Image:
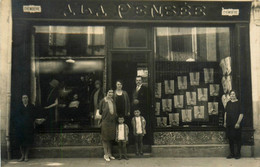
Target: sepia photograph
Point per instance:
(130, 83)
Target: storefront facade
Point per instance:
(189, 53)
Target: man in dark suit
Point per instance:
(140, 96)
(140, 102)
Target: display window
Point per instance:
(198, 61)
(68, 75)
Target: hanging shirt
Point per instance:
(121, 132)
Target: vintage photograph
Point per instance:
(130, 83)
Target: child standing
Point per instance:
(138, 123)
(122, 137)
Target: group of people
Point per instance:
(114, 109)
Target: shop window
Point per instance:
(68, 63)
(126, 37)
(71, 41)
(193, 76)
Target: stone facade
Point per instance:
(255, 73)
(5, 71)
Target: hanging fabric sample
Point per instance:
(226, 83)
(213, 108)
(199, 112)
(225, 98)
(169, 86)
(174, 119)
(178, 101)
(158, 90)
(214, 89)
(202, 94)
(208, 75)
(225, 65)
(167, 105)
(186, 115)
(157, 108)
(194, 78)
(191, 98)
(182, 82)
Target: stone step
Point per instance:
(206, 150)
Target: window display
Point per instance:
(67, 63)
(193, 58)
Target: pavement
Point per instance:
(137, 162)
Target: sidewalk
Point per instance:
(138, 162)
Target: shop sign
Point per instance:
(130, 10)
(230, 12)
(32, 9)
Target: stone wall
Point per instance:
(255, 68)
(5, 70)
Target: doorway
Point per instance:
(125, 67)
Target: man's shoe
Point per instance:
(120, 157)
(230, 156)
(141, 153)
(26, 160)
(238, 156)
(137, 154)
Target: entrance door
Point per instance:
(125, 67)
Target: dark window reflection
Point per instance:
(125, 37)
(63, 76)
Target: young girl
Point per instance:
(138, 123)
(122, 137)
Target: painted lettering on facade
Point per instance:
(84, 9)
(129, 10)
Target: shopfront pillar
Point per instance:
(5, 73)
(255, 68)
